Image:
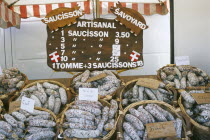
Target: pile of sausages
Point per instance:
(89, 119)
(106, 85)
(46, 95)
(136, 119)
(139, 93)
(21, 124)
(200, 113)
(11, 80)
(184, 76)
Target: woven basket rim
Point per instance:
(1, 103)
(2, 97)
(169, 107)
(151, 102)
(49, 81)
(197, 125)
(101, 97)
(187, 88)
(108, 136)
(168, 88)
(1, 106)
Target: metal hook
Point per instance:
(12, 3)
(161, 2)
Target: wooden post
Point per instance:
(97, 9)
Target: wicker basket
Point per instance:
(69, 99)
(42, 109)
(187, 88)
(107, 97)
(7, 96)
(200, 132)
(131, 84)
(208, 87)
(107, 137)
(163, 104)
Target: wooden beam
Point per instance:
(97, 9)
(172, 30)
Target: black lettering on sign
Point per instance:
(160, 130)
(203, 98)
(131, 18)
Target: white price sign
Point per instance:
(89, 94)
(115, 50)
(182, 60)
(1, 71)
(27, 104)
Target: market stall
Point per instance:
(103, 70)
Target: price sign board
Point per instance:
(89, 94)
(182, 60)
(75, 44)
(149, 83)
(27, 104)
(95, 45)
(161, 130)
(201, 98)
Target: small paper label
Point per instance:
(1, 71)
(14, 105)
(115, 50)
(27, 104)
(161, 130)
(89, 94)
(201, 98)
(182, 60)
(100, 76)
(149, 83)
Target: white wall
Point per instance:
(192, 31)
(29, 50)
(156, 50)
